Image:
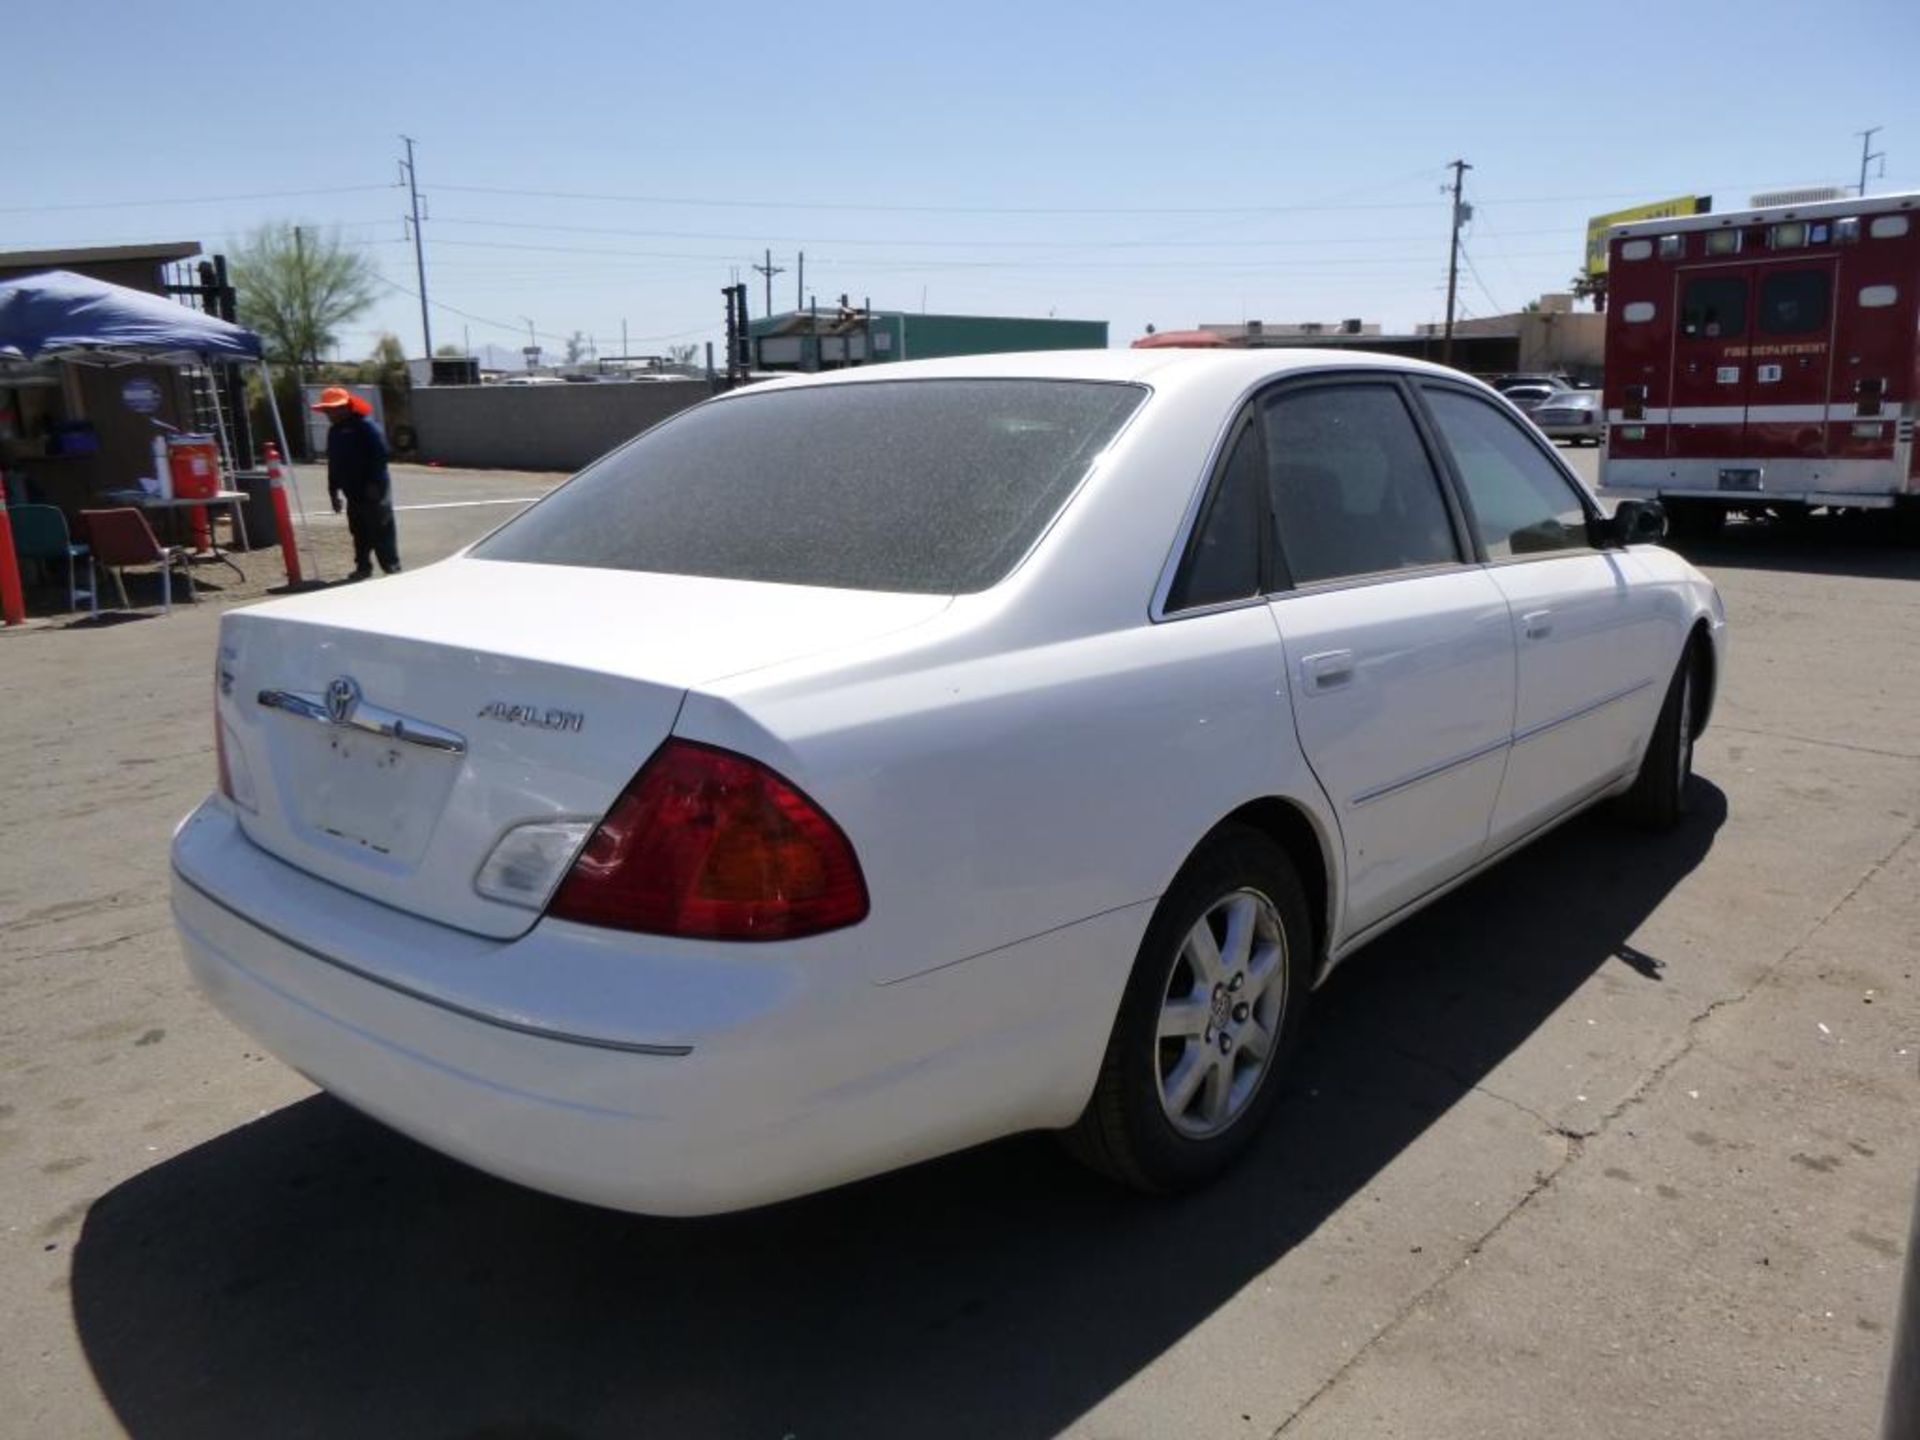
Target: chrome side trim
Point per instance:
(372, 719)
(1533, 731)
(563, 1037)
(1430, 772)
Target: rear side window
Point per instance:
(1795, 302)
(1521, 503)
(1353, 492)
(929, 486)
(1714, 309)
(1224, 561)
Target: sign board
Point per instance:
(1598, 226)
(141, 395)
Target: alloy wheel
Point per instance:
(1221, 1015)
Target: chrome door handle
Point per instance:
(1538, 623)
(1326, 671)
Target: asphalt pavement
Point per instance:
(1617, 1141)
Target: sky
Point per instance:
(589, 166)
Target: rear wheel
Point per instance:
(1211, 1013)
(1694, 519)
(1658, 798)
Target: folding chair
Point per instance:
(121, 538)
(40, 533)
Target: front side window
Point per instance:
(926, 486)
(1795, 302)
(1521, 503)
(1714, 309)
(1353, 491)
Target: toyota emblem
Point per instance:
(343, 697)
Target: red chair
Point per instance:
(122, 537)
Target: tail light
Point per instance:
(712, 845)
(220, 739)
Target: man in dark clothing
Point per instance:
(357, 476)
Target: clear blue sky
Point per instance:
(1168, 163)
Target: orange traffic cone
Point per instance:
(282, 513)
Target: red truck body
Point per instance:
(1765, 361)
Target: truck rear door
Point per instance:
(1711, 371)
(1790, 359)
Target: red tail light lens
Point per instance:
(711, 845)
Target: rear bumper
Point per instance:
(763, 1080)
(1865, 483)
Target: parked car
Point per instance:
(1571, 415)
(855, 769)
(1553, 379)
(1530, 397)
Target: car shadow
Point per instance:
(312, 1273)
(1866, 545)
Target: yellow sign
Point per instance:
(1598, 226)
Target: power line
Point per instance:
(715, 202)
(971, 243)
(188, 200)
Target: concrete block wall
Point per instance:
(541, 427)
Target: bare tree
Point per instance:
(577, 347)
(682, 354)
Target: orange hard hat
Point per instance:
(338, 397)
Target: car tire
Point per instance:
(1192, 1068)
(1658, 799)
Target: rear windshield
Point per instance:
(933, 486)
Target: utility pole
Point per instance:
(800, 285)
(1868, 153)
(1459, 168)
(419, 251)
(770, 270)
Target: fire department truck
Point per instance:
(1765, 362)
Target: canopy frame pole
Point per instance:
(280, 432)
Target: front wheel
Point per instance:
(1658, 798)
(1211, 1013)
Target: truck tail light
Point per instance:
(708, 844)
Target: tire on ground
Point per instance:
(1659, 798)
(1126, 1131)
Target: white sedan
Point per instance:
(853, 769)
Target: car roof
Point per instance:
(1229, 369)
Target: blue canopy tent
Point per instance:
(58, 315)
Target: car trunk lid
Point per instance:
(388, 735)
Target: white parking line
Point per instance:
(463, 504)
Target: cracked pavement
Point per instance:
(1617, 1141)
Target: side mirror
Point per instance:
(1634, 522)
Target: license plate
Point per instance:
(1739, 479)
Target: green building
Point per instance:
(832, 338)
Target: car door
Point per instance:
(1592, 650)
(1400, 653)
